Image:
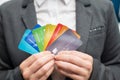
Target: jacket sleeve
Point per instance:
(7, 72)
(109, 66)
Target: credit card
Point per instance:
(49, 29)
(37, 26)
(60, 29)
(31, 41)
(39, 37)
(67, 41)
(30, 38)
(24, 46)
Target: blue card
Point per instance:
(30, 39)
(24, 46)
(37, 26)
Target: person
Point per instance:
(98, 58)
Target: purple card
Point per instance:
(67, 41)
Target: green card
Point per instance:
(39, 37)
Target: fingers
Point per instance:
(71, 75)
(76, 65)
(33, 58)
(44, 70)
(40, 62)
(79, 54)
(74, 58)
(48, 73)
(71, 68)
(36, 66)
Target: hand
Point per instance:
(38, 66)
(74, 64)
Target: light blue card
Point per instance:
(24, 46)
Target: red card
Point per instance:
(60, 29)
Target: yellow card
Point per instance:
(49, 29)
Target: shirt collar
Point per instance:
(66, 2)
(40, 2)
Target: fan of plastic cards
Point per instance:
(50, 37)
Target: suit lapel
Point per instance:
(83, 21)
(29, 16)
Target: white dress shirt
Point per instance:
(56, 11)
(3, 1)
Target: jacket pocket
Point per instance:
(96, 31)
(96, 41)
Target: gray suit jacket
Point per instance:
(95, 21)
